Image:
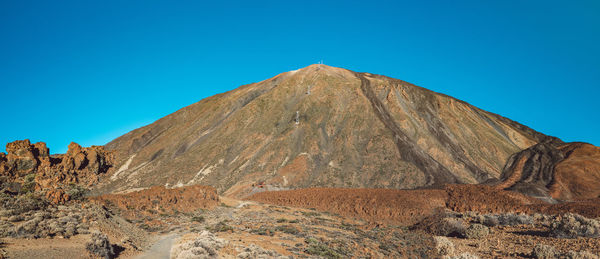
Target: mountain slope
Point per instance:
(320, 126)
(555, 171)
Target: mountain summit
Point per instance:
(320, 126)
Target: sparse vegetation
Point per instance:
(571, 225)
(580, 255)
(543, 252)
(549, 252)
(506, 219)
(28, 185)
(253, 251)
(443, 246)
(220, 227)
(263, 231)
(320, 249)
(476, 231)
(198, 219)
(445, 226)
(464, 256)
(205, 245)
(310, 213)
(100, 246)
(77, 192)
(287, 229)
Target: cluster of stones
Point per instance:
(52, 174)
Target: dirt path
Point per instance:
(161, 249)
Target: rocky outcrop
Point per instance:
(147, 202)
(320, 126)
(555, 170)
(23, 158)
(82, 166)
(31, 164)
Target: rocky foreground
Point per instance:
(194, 222)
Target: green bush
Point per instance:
(287, 229)
(28, 185)
(198, 219)
(310, 214)
(220, 227)
(77, 192)
(320, 249)
(263, 231)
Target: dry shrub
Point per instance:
(100, 246)
(549, 252)
(571, 225)
(580, 255)
(443, 246)
(206, 245)
(507, 219)
(476, 231)
(254, 251)
(464, 256)
(543, 252)
(442, 224)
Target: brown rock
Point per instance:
(79, 161)
(73, 149)
(41, 150)
(57, 196)
(158, 198)
(19, 148)
(21, 158)
(79, 165)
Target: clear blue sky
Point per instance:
(90, 71)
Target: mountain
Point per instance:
(320, 126)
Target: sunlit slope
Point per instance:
(320, 126)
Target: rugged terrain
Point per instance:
(320, 126)
(320, 162)
(27, 167)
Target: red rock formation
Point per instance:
(407, 207)
(81, 166)
(57, 196)
(23, 158)
(379, 205)
(160, 199)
